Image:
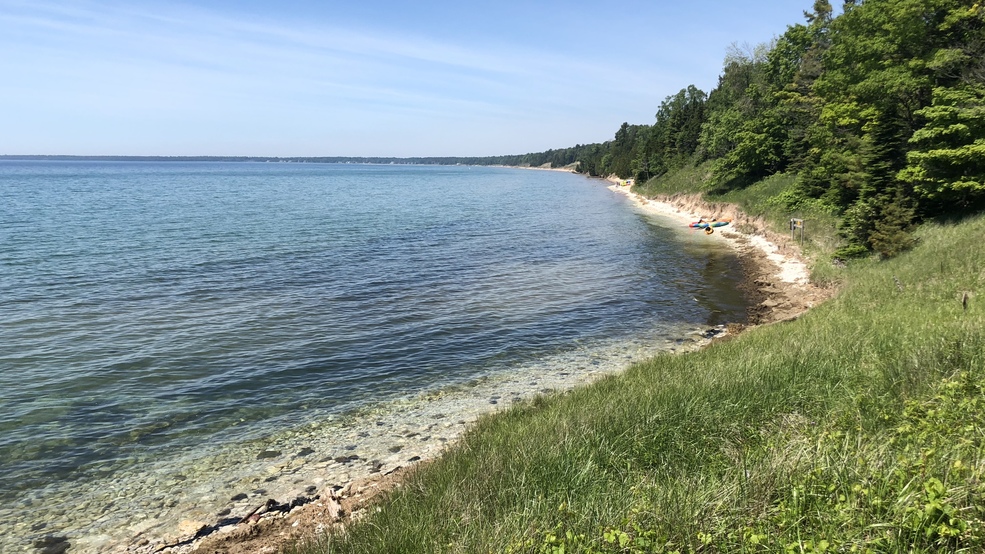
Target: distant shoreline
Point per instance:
(291, 159)
(488, 161)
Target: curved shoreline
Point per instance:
(776, 279)
(777, 276)
(345, 459)
(197, 491)
(370, 457)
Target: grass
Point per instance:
(685, 180)
(858, 427)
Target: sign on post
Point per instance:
(794, 225)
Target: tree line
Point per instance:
(556, 158)
(879, 112)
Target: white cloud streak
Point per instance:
(93, 67)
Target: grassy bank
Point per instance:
(857, 427)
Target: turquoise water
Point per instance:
(148, 309)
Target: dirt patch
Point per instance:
(772, 299)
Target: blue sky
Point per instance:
(355, 78)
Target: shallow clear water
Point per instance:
(151, 311)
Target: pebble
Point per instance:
(189, 527)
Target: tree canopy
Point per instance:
(879, 112)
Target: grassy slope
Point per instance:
(858, 425)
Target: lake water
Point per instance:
(172, 334)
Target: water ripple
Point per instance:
(144, 306)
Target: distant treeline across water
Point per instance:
(557, 158)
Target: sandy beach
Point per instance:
(777, 275)
(304, 495)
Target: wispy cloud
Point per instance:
(94, 67)
(202, 46)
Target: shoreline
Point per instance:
(293, 492)
(777, 277)
(787, 289)
(304, 481)
(776, 281)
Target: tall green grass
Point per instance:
(857, 427)
(688, 180)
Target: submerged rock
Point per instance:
(268, 454)
(52, 544)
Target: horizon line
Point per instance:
(137, 157)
